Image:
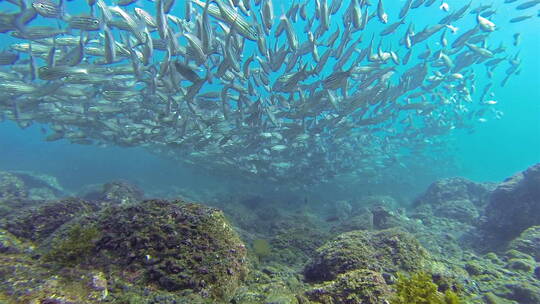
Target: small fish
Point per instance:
(58, 72)
(8, 57)
(383, 16)
(84, 22)
(528, 4)
(186, 72)
(444, 7)
(485, 24)
(517, 39)
(47, 8)
(520, 18)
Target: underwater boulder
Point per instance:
(9, 243)
(462, 211)
(37, 223)
(40, 186)
(385, 251)
(362, 221)
(12, 187)
(514, 206)
(177, 246)
(356, 286)
(116, 192)
(296, 239)
(376, 200)
(528, 242)
(455, 189)
(25, 280)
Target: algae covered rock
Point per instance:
(24, 280)
(12, 187)
(514, 205)
(454, 189)
(175, 245)
(295, 241)
(528, 242)
(116, 192)
(460, 210)
(388, 250)
(9, 243)
(356, 286)
(37, 223)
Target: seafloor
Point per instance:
(459, 242)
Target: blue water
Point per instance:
(497, 149)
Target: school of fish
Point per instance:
(290, 93)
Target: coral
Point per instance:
(420, 289)
(389, 250)
(356, 286)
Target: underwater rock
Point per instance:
(37, 223)
(116, 192)
(523, 293)
(40, 186)
(9, 243)
(12, 187)
(455, 189)
(356, 286)
(384, 251)
(460, 210)
(362, 221)
(513, 206)
(176, 245)
(528, 242)
(24, 280)
(295, 241)
(20, 189)
(376, 200)
(384, 218)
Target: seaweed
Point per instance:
(420, 289)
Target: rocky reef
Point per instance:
(459, 242)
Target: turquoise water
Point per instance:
(496, 149)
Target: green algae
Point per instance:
(420, 289)
(75, 247)
(261, 248)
